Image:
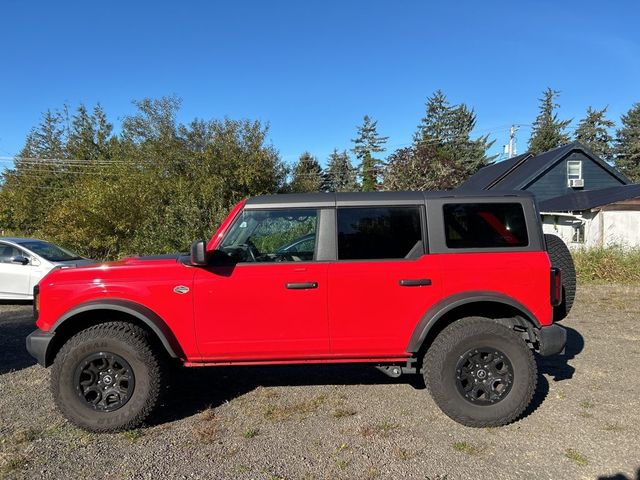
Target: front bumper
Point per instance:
(551, 340)
(38, 345)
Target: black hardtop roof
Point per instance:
(370, 198)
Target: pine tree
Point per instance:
(366, 144)
(449, 128)
(307, 174)
(593, 131)
(340, 176)
(548, 132)
(628, 144)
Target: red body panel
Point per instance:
(370, 314)
(245, 314)
(146, 282)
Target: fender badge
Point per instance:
(181, 289)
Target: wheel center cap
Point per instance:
(482, 374)
(107, 379)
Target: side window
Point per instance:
(485, 225)
(379, 233)
(278, 235)
(7, 253)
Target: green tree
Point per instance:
(151, 188)
(449, 128)
(366, 145)
(340, 176)
(548, 131)
(423, 166)
(307, 174)
(593, 131)
(628, 144)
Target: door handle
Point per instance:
(301, 285)
(419, 282)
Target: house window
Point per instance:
(578, 233)
(574, 170)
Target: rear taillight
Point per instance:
(556, 286)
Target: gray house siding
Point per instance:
(554, 183)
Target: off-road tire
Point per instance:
(560, 257)
(448, 348)
(131, 343)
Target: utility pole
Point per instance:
(511, 149)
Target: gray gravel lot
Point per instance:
(344, 421)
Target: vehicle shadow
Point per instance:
(14, 328)
(192, 390)
(620, 476)
(558, 366)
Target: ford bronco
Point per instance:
(456, 287)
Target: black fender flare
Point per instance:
(444, 306)
(144, 314)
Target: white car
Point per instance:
(24, 261)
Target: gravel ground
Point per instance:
(344, 421)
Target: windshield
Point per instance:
(49, 251)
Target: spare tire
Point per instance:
(560, 257)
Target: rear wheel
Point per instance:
(480, 373)
(108, 377)
(560, 257)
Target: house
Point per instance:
(561, 171)
(595, 218)
(582, 199)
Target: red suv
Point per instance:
(458, 288)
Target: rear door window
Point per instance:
(375, 233)
(485, 225)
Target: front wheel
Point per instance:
(107, 378)
(480, 373)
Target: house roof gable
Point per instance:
(520, 172)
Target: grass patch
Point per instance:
(12, 465)
(465, 447)
(606, 265)
(586, 404)
(250, 433)
(613, 427)
(277, 413)
(27, 435)
(383, 429)
(207, 431)
(576, 457)
(133, 435)
(343, 412)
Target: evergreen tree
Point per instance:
(593, 131)
(366, 145)
(628, 144)
(340, 176)
(307, 174)
(548, 132)
(449, 129)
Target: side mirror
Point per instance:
(22, 260)
(198, 253)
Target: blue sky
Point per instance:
(312, 69)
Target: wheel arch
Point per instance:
(94, 312)
(485, 304)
